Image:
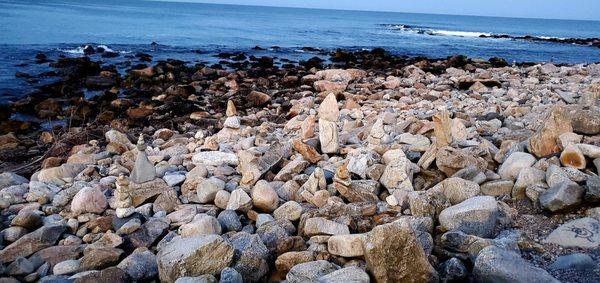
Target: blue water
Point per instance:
(58, 27)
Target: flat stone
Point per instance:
(494, 264)
(580, 233)
(41, 238)
(140, 193)
(501, 187)
(215, 158)
(321, 226)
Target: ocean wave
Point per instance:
(81, 50)
(431, 31)
(595, 42)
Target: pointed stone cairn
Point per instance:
(328, 131)
(232, 121)
(124, 202)
(143, 170)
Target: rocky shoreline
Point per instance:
(360, 166)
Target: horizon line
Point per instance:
(378, 11)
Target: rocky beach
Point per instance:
(350, 166)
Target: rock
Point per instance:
(149, 233)
(286, 261)
(208, 189)
(564, 196)
(580, 233)
(527, 177)
(207, 278)
(450, 160)
(239, 200)
(251, 256)
(67, 267)
(57, 175)
(232, 122)
(180, 257)
(572, 157)
(384, 243)
(290, 210)
(321, 226)
(140, 193)
(215, 158)
(174, 179)
(556, 175)
(348, 274)
(143, 171)
(328, 136)
(494, 264)
(258, 98)
(453, 270)
(398, 174)
(230, 275)
(592, 194)
(21, 266)
(577, 261)
(310, 271)
(27, 219)
(41, 238)
(264, 197)
(229, 220)
(456, 189)
(346, 245)
(89, 200)
(308, 152)
(513, 165)
(543, 143)
(291, 169)
(500, 187)
(478, 216)
(97, 258)
(8, 179)
(111, 274)
(201, 225)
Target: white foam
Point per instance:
(459, 33)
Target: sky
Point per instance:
(548, 9)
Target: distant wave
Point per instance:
(440, 32)
(81, 50)
(431, 31)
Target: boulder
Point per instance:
(544, 141)
(578, 233)
(193, 256)
(563, 196)
(25, 246)
(494, 264)
(478, 216)
(393, 254)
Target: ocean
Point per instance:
(196, 32)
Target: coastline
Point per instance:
(320, 133)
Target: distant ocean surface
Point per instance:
(192, 31)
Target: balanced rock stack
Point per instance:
(425, 173)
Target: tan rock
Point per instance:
(264, 197)
(308, 152)
(258, 98)
(328, 109)
(544, 142)
(346, 245)
(572, 157)
(394, 254)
